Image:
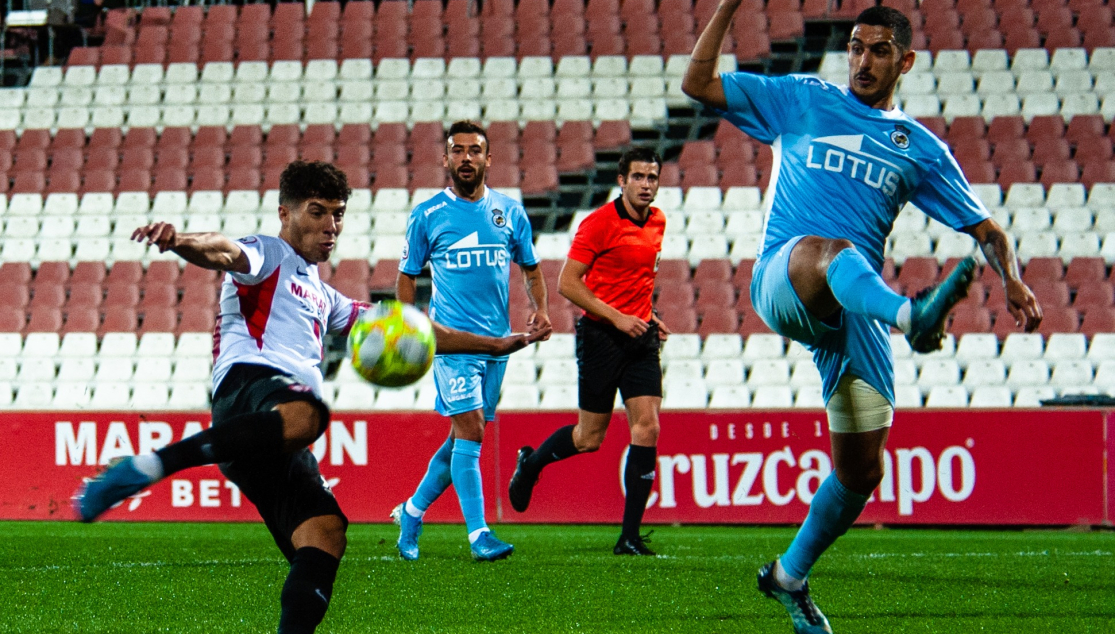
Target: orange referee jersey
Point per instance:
(622, 256)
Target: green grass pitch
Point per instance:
(212, 578)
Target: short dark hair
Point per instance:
(893, 19)
(301, 181)
(466, 127)
(637, 155)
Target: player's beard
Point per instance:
(470, 185)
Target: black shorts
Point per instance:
(608, 359)
(287, 490)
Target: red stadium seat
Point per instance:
(966, 128)
(159, 319)
(970, 319)
(1066, 171)
(84, 273)
(918, 272)
(84, 56)
(12, 318)
(716, 294)
(673, 271)
(29, 183)
(64, 181)
(1048, 151)
(1096, 294)
(713, 271)
(1083, 271)
(48, 296)
(384, 275)
(15, 294)
(1098, 320)
(1043, 271)
(1097, 149)
(677, 294)
(82, 319)
(139, 138)
(44, 320)
(1008, 151)
(161, 272)
(17, 272)
(1102, 172)
(1018, 172)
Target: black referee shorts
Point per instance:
(286, 490)
(608, 359)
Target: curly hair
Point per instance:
(301, 181)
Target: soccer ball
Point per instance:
(392, 344)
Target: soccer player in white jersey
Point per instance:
(469, 234)
(846, 160)
(267, 407)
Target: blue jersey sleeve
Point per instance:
(763, 107)
(522, 239)
(416, 250)
(945, 195)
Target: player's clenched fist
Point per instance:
(160, 234)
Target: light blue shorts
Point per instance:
(466, 383)
(776, 301)
(853, 343)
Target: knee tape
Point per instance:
(856, 407)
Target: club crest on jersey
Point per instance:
(248, 240)
(900, 137)
(497, 218)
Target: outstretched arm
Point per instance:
(451, 341)
(702, 80)
(999, 251)
(207, 250)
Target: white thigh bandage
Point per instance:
(856, 407)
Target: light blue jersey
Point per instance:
(470, 247)
(842, 170)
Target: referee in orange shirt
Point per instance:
(610, 274)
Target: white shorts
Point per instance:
(856, 407)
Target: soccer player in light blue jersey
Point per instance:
(846, 159)
(469, 235)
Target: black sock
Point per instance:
(558, 446)
(307, 590)
(256, 434)
(638, 478)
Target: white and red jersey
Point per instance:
(278, 313)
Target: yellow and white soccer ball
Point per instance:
(392, 344)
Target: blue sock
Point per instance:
(437, 478)
(861, 290)
(466, 479)
(834, 509)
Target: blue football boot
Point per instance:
(929, 310)
(410, 528)
(112, 485)
(489, 548)
(807, 618)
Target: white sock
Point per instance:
(149, 465)
(413, 510)
(783, 578)
(902, 320)
(475, 535)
